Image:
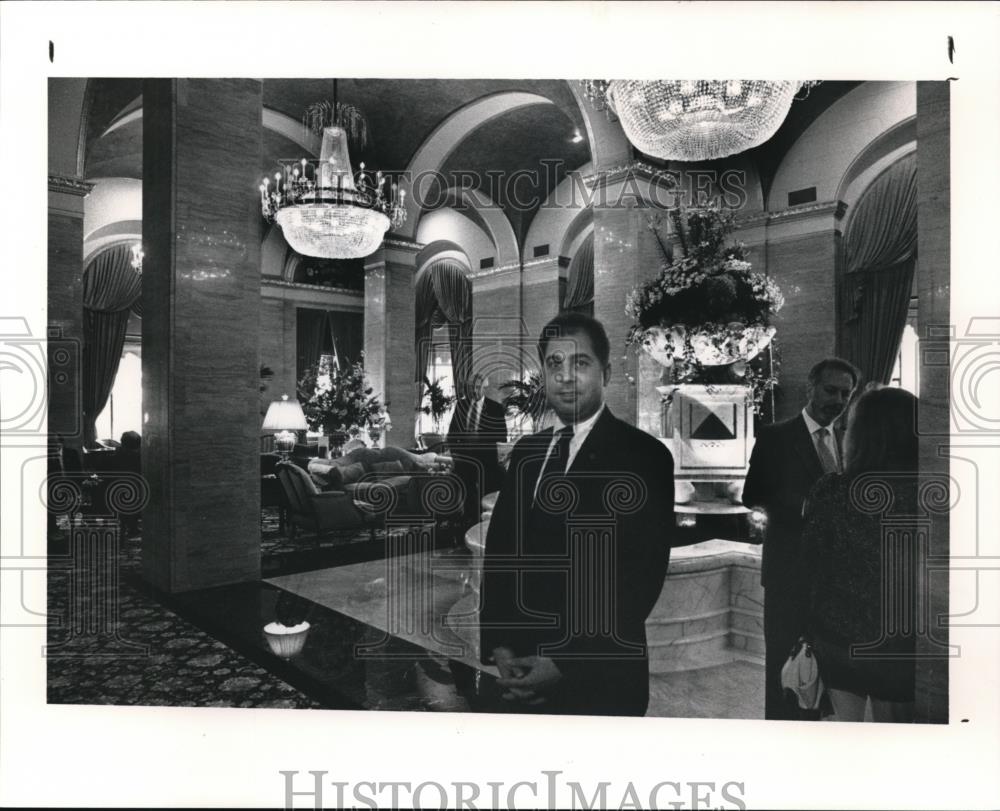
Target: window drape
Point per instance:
(444, 296)
(309, 326)
(111, 289)
(580, 281)
(880, 254)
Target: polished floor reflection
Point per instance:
(395, 630)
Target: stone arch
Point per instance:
(823, 155)
(491, 218)
(881, 153)
(442, 249)
(68, 101)
(608, 145)
(556, 215)
(434, 151)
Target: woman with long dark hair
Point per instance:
(859, 548)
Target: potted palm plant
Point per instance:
(526, 400)
(435, 403)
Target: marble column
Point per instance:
(801, 254)
(503, 346)
(202, 144)
(625, 253)
(540, 295)
(390, 319)
(934, 291)
(65, 306)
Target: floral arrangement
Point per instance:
(435, 402)
(336, 399)
(707, 308)
(526, 398)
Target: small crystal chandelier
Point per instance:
(696, 119)
(324, 208)
(137, 257)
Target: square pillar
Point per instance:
(202, 152)
(934, 290)
(625, 253)
(65, 306)
(390, 325)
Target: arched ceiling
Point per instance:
(404, 113)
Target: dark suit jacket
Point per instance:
(475, 452)
(574, 575)
(783, 469)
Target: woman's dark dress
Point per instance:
(859, 554)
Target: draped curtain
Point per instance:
(880, 254)
(111, 290)
(580, 282)
(318, 329)
(309, 327)
(444, 297)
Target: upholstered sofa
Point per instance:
(369, 474)
(321, 512)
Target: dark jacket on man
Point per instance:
(573, 574)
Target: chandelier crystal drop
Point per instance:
(327, 210)
(696, 119)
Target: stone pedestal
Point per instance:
(201, 304)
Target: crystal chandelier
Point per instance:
(696, 119)
(324, 208)
(137, 257)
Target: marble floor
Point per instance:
(393, 632)
(425, 599)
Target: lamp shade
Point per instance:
(285, 415)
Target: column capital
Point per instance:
(66, 194)
(394, 251)
(798, 220)
(70, 185)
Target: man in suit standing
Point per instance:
(578, 544)
(787, 459)
(477, 425)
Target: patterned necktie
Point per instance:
(556, 461)
(474, 418)
(827, 459)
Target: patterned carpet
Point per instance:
(118, 645)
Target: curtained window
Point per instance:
(880, 253)
(444, 302)
(579, 296)
(111, 292)
(326, 332)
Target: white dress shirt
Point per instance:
(830, 439)
(475, 414)
(580, 432)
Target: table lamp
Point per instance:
(284, 417)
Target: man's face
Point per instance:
(477, 388)
(574, 378)
(828, 398)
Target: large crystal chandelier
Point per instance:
(324, 208)
(696, 119)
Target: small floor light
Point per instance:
(285, 417)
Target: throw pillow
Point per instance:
(349, 474)
(328, 477)
(387, 467)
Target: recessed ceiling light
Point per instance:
(576, 137)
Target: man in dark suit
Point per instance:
(578, 544)
(787, 459)
(477, 425)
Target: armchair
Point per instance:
(322, 512)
